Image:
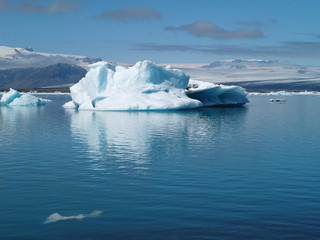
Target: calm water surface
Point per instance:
(212, 173)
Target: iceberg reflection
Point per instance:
(11, 116)
(130, 141)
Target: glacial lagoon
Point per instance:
(249, 172)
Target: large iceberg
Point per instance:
(211, 94)
(144, 86)
(15, 98)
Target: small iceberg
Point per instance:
(147, 86)
(8, 97)
(56, 217)
(15, 98)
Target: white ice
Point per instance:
(56, 217)
(8, 97)
(15, 98)
(211, 94)
(144, 86)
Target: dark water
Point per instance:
(213, 173)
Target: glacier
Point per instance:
(146, 86)
(284, 93)
(15, 98)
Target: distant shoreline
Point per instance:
(268, 86)
(38, 90)
(263, 89)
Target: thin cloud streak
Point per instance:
(130, 13)
(249, 23)
(256, 24)
(310, 34)
(54, 7)
(210, 30)
(286, 49)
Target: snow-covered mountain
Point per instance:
(24, 68)
(27, 58)
(242, 63)
(256, 74)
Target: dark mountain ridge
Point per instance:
(53, 75)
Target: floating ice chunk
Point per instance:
(56, 217)
(145, 86)
(278, 100)
(211, 94)
(95, 213)
(14, 98)
(8, 97)
(28, 100)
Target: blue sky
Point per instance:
(166, 31)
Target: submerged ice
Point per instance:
(15, 98)
(56, 217)
(145, 86)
